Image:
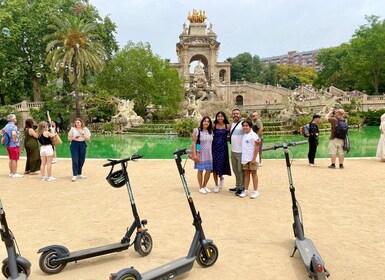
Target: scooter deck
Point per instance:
(306, 249)
(171, 269)
(93, 252)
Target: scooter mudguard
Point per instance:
(137, 239)
(59, 249)
(20, 261)
(125, 272)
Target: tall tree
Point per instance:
(136, 73)
(245, 67)
(73, 48)
(367, 56)
(22, 50)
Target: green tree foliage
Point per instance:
(294, 76)
(366, 60)
(184, 127)
(136, 73)
(100, 106)
(333, 61)
(73, 49)
(359, 64)
(22, 51)
(246, 67)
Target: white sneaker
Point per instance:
(255, 194)
(216, 189)
(221, 182)
(74, 178)
(243, 194)
(44, 178)
(82, 177)
(207, 189)
(16, 175)
(202, 191)
(54, 161)
(311, 164)
(49, 179)
(10, 174)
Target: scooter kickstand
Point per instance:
(295, 249)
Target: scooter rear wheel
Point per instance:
(128, 276)
(20, 269)
(205, 261)
(45, 263)
(144, 245)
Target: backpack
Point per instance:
(5, 140)
(305, 130)
(341, 129)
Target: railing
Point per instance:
(25, 106)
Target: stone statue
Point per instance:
(126, 115)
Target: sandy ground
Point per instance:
(343, 214)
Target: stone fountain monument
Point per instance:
(126, 117)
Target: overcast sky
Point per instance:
(260, 27)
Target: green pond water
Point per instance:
(363, 144)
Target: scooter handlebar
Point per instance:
(181, 152)
(117, 161)
(284, 145)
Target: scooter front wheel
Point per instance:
(20, 269)
(206, 259)
(45, 263)
(143, 245)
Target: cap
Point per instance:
(316, 116)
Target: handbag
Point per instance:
(56, 140)
(346, 146)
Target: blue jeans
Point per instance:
(78, 155)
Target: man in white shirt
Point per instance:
(236, 135)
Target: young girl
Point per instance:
(46, 151)
(250, 158)
(202, 152)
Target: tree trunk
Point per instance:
(36, 89)
(76, 92)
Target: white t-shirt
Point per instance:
(236, 137)
(248, 146)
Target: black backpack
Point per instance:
(341, 129)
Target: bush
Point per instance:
(108, 127)
(185, 126)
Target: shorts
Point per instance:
(336, 146)
(46, 150)
(250, 166)
(13, 153)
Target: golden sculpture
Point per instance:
(197, 17)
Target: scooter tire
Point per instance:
(20, 269)
(128, 276)
(45, 263)
(204, 261)
(143, 245)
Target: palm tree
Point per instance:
(73, 48)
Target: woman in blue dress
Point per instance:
(202, 152)
(221, 163)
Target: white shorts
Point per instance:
(46, 150)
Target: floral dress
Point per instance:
(221, 161)
(205, 153)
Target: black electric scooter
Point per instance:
(202, 250)
(314, 264)
(54, 258)
(15, 267)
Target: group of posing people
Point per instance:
(210, 152)
(40, 151)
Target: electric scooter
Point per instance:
(312, 260)
(54, 258)
(15, 267)
(202, 250)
